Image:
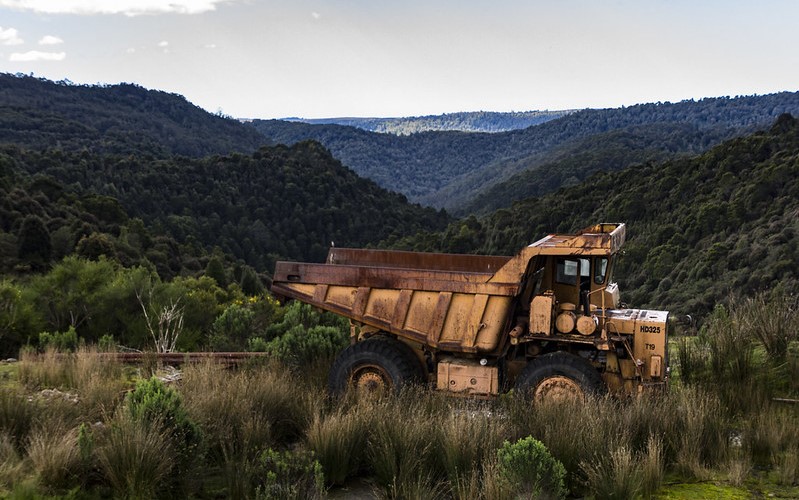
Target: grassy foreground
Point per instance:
(265, 432)
(79, 427)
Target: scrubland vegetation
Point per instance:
(124, 227)
(82, 427)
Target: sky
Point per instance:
(382, 58)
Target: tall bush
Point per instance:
(152, 402)
(531, 470)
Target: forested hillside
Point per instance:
(124, 118)
(289, 202)
(699, 228)
(449, 169)
(474, 121)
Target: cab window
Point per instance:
(600, 270)
(567, 270)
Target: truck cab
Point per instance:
(574, 304)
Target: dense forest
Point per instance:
(449, 169)
(125, 118)
(468, 121)
(701, 228)
(277, 202)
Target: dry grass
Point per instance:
(787, 465)
(97, 383)
(481, 483)
(17, 416)
(243, 413)
(459, 455)
(338, 441)
(618, 474)
(12, 468)
(418, 444)
(739, 467)
(400, 449)
(47, 370)
(134, 457)
(55, 456)
(769, 432)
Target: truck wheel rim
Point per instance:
(371, 380)
(559, 388)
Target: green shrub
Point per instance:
(290, 475)
(299, 314)
(531, 470)
(257, 344)
(107, 343)
(61, 341)
(152, 402)
(232, 328)
(298, 345)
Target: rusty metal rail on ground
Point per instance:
(177, 358)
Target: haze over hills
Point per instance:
(474, 121)
(450, 169)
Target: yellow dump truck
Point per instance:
(547, 321)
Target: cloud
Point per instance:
(126, 7)
(35, 55)
(315, 15)
(9, 36)
(50, 40)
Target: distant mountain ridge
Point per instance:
(451, 169)
(124, 118)
(467, 121)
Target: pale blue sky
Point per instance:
(323, 58)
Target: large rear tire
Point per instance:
(559, 376)
(373, 367)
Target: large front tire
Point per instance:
(559, 376)
(373, 367)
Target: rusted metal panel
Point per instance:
(401, 309)
(475, 322)
(438, 318)
(467, 377)
(320, 292)
(387, 278)
(361, 297)
(416, 260)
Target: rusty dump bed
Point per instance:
(452, 302)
